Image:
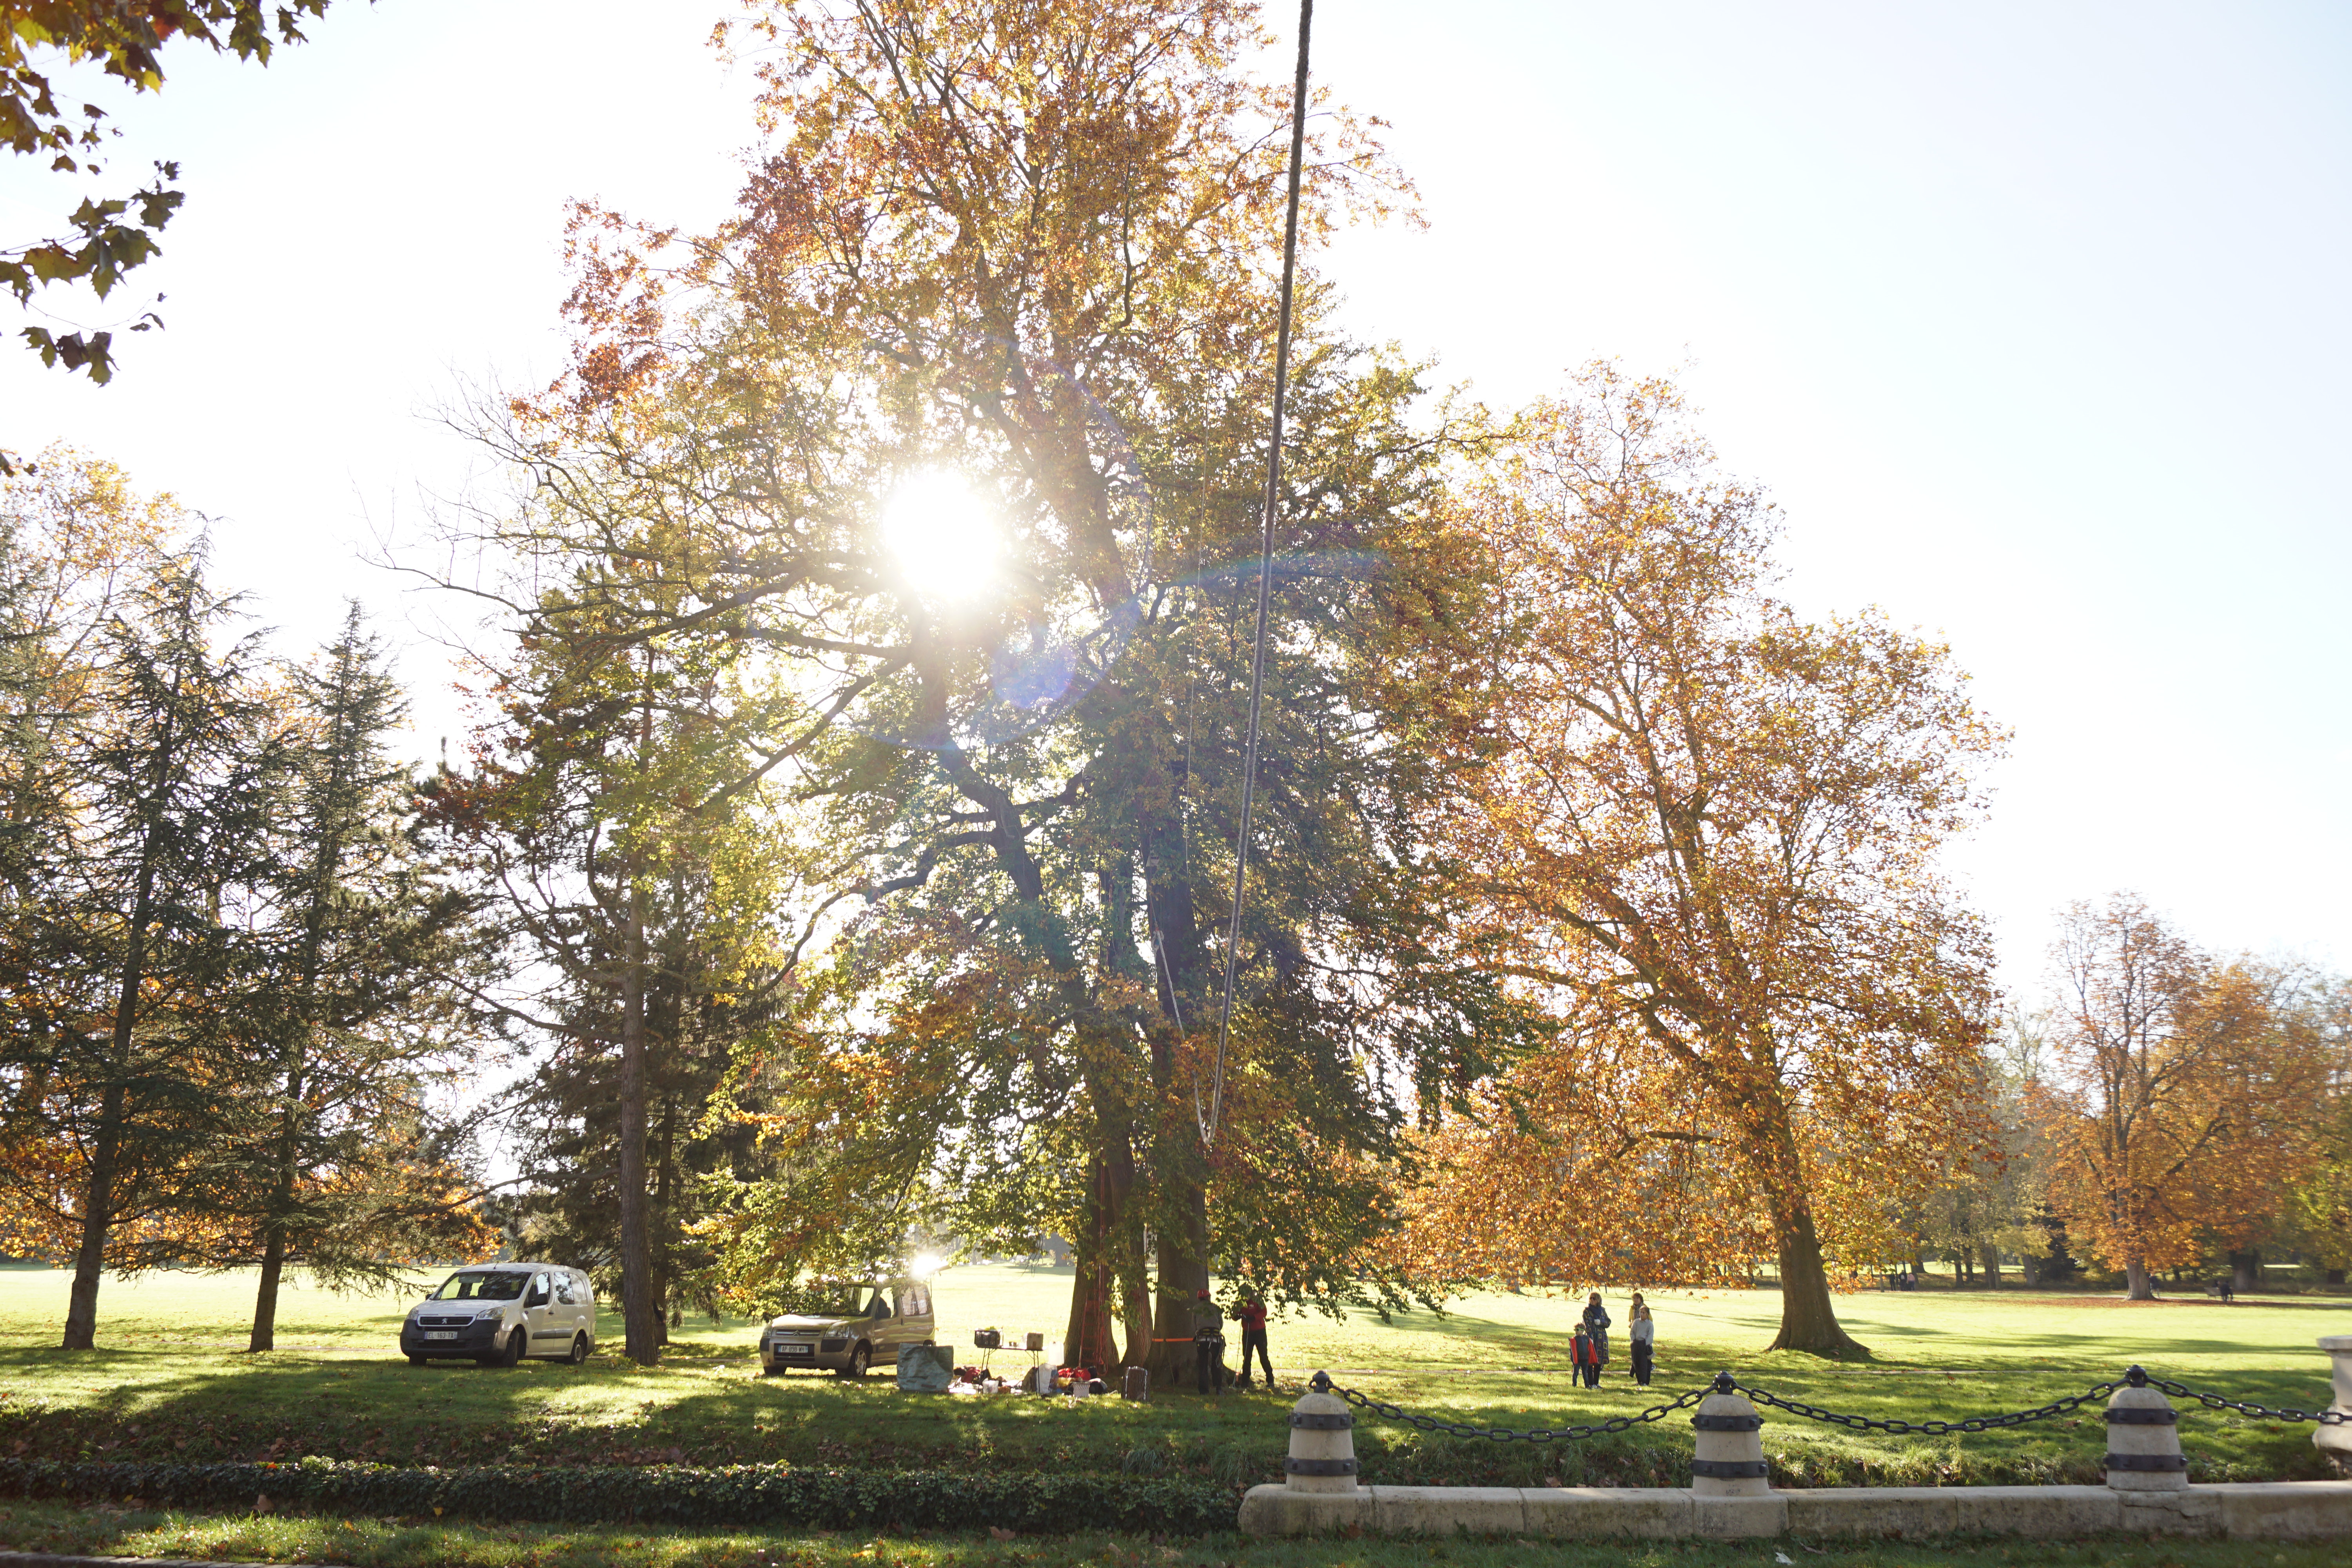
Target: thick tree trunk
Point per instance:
(2245, 1272)
(1087, 1341)
(2030, 1267)
(1992, 1265)
(1807, 1320)
(642, 1332)
(2139, 1284)
(1183, 1273)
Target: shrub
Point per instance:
(733, 1495)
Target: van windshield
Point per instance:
(499, 1286)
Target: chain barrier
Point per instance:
(2218, 1402)
(1725, 1383)
(1322, 1383)
(2066, 1405)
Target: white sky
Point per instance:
(2032, 317)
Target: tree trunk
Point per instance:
(1807, 1320)
(1183, 1273)
(1992, 1267)
(2138, 1284)
(642, 1332)
(113, 1106)
(2030, 1267)
(265, 1300)
(97, 1218)
(2245, 1272)
(1087, 1341)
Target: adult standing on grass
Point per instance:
(1208, 1344)
(1596, 1324)
(1643, 1331)
(1252, 1317)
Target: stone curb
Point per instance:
(2258, 1510)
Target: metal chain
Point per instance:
(1724, 1383)
(1922, 1428)
(1322, 1383)
(2216, 1402)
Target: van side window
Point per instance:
(919, 1302)
(564, 1290)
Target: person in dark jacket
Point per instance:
(1252, 1316)
(1579, 1359)
(1596, 1324)
(1208, 1344)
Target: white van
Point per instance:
(498, 1313)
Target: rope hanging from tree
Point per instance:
(1264, 581)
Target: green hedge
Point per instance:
(732, 1495)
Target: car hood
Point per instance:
(796, 1324)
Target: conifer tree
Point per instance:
(177, 758)
(341, 1169)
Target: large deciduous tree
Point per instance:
(1026, 252)
(2185, 1094)
(1708, 827)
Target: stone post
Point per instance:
(1322, 1446)
(2144, 1440)
(2337, 1441)
(1729, 1457)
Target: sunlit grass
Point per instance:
(171, 1381)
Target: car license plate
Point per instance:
(795, 1350)
(440, 1333)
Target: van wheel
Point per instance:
(579, 1349)
(859, 1359)
(508, 1353)
(416, 1361)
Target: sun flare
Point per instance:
(946, 543)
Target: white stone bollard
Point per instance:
(2144, 1441)
(1729, 1461)
(2337, 1441)
(1322, 1446)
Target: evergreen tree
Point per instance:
(341, 1168)
(177, 761)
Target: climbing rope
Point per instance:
(1209, 1123)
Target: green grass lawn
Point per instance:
(378, 1544)
(170, 1381)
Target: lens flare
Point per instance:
(947, 544)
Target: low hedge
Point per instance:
(732, 1495)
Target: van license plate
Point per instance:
(440, 1333)
(795, 1350)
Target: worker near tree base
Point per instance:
(1252, 1317)
(1208, 1343)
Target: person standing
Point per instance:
(1579, 1359)
(1208, 1344)
(1644, 1332)
(1252, 1316)
(1596, 1324)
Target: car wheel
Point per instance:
(416, 1361)
(579, 1349)
(511, 1351)
(859, 1358)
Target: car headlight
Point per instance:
(488, 1312)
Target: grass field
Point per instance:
(170, 1381)
(373, 1543)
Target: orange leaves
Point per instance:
(1710, 828)
(2187, 1094)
